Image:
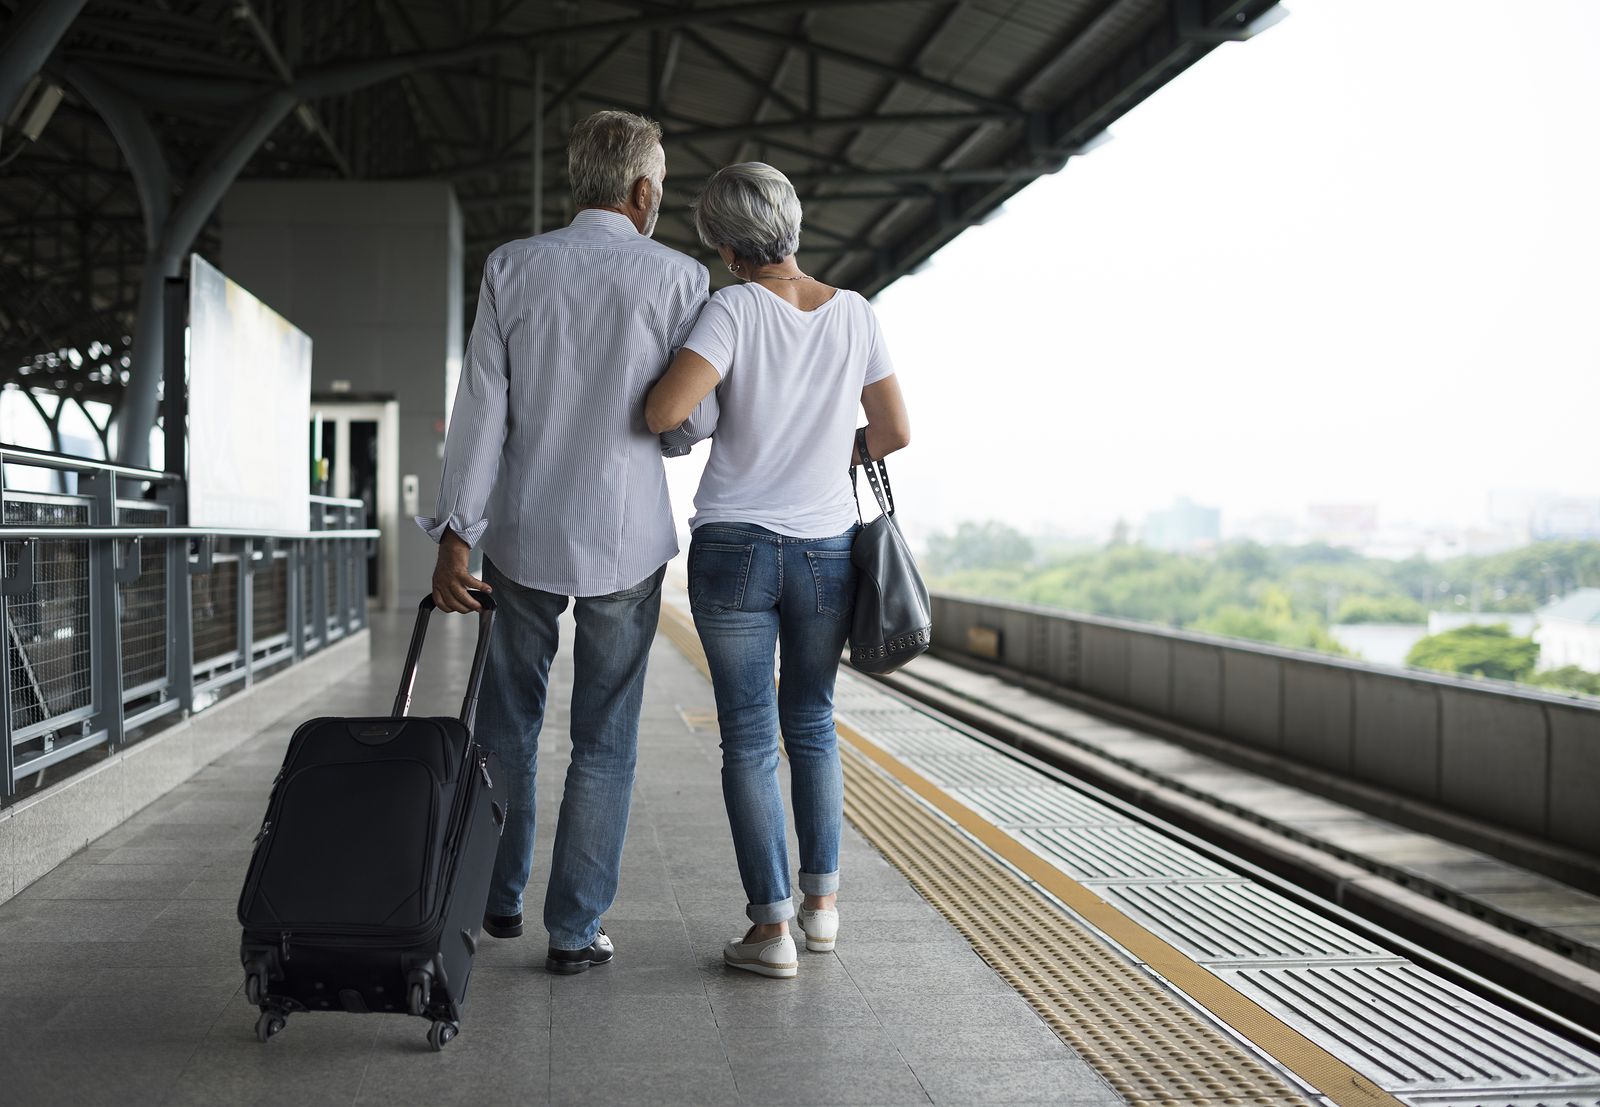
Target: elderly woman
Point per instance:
(769, 564)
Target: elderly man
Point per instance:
(550, 469)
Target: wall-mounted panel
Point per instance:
(1197, 685)
(1495, 758)
(1397, 734)
(1575, 776)
(1250, 697)
(1316, 715)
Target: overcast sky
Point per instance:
(1354, 259)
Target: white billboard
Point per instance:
(249, 409)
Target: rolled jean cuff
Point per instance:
(819, 884)
(760, 913)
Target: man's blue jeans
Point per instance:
(752, 590)
(609, 656)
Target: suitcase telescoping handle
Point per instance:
(480, 656)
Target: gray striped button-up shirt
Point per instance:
(548, 463)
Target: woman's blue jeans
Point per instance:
(751, 591)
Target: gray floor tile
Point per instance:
(792, 1079)
(976, 1043)
(639, 1043)
(628, 1011)
(1065, 1083)
(780, 1005)
(809, 1045)
(953, 1011)
(125, 1074)
(961, 975)
(580, 1082)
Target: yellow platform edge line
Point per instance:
(1309, 1061)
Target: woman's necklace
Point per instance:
(777, 277)
(735, 267)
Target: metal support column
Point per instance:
(32, 39)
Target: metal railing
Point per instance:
(115, 619)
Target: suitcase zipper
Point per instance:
(286, 935)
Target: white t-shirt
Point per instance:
(790, 392)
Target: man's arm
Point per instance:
(471, 456)
(700, 425)
(690, 301)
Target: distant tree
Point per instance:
(1273, 620)
(1252, 560)
(1119, 534)
(990, 545)
(1485, 651)
(1380, 609)
(1568, 678)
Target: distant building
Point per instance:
(1348, 525)
(1567, 517)
(1520, 623)
(1183, 527)
(1569, 631)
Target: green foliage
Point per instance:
(1484, 651)
(1391, 608)
(1568, 678)
(978, 546)
(1272, 619)
(1286, 595)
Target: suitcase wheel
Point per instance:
(416, 998)
(440, 1033)
(269, 1024)
(255, 989)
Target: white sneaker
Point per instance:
(821, 928)
(772, 957)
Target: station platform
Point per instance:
(1008, 936)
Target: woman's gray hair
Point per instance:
(608, 152)
(752, 209)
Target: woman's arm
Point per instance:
(673, 398)
(888, 425)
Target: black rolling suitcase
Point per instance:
(366, 890)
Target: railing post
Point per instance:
(246, 594)
(294, 601)
(180, 622)
(7, 754)
(105, 637)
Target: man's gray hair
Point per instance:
(752, 209)
(608, 152)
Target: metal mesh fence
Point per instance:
(143, 617)
(269, 603)
(214, 598)
(47, 627)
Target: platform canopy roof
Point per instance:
(902, 122)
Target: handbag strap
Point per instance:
(877, 477)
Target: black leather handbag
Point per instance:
(893, 620)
